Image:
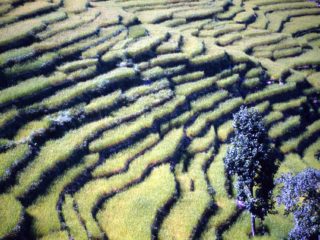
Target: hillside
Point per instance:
(115, 116)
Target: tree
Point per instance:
(250, 159)
(300, 195)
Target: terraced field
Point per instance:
(115, 116)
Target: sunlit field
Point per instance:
(116, 115)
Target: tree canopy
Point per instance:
(300, 195)
(250, 159)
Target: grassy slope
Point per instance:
(115, 115)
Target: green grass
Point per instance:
(102, 48)
(11, 158)
(136, 32)
(229, 81)
(207, 101)
(284, 53)
(291, 163)
(31, 8)
(222, 30)
(208, 117)
(103, 102)
(189, 14)
(118, 161)
(251, 83)
(225, 130)
(46, 160)
(33, 128)
(130, 214)
(153, 73)
(143, 104)
(67, 94)
(245, 17)
(254, 72)
(136, 92)
(19, 31)
(272, 117)
(44, 224)
(63, 235)
(72, 220)
(187, 89)
(281, 128)
(309, 154)
(180, 120)
(11, 213)
(230, 38)
(165, 59)
(75, 8)
(76, 65)
(295, 103)
(16, 54)
(270, 91)
(143, 45)
(313, 79)
(122, 132)
(262, 107)
(208, 58)
(192, 46)
(172, 45)
(307, 22)
(200, 144)
(132, 85)
(190, 206)
(292, 144)
(91, 192)
(18, 69)
(8, 116)
(226, 206)
(188, 77)
(308, 58)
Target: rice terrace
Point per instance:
(126, 119)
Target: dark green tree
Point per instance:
(300, 195)
(250, 158)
